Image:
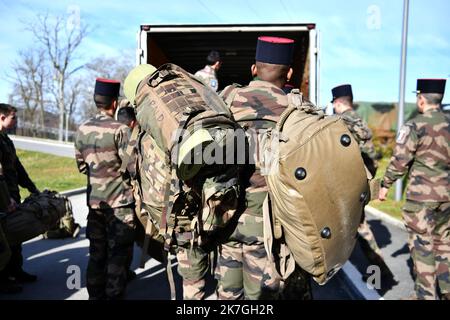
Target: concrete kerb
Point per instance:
(385, 217)
(74, 192)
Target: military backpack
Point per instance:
(318, 187)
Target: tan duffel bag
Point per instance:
(318, 187)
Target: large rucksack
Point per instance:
(318, 187)
(180, 117)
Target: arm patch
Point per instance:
(403, 134)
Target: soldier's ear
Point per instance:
(289, 74)
(254, 70)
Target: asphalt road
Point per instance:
(393, 243)
(47, 146)
(57, 263)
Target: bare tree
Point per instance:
(60, 44)
(30, 82)
(101, 67)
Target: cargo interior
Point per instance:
(189, 49)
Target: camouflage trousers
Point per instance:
(193, 266)
(428, 225)
(111, 235)
(243, 270)
(367, 235)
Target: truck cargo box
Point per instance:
(188, 46)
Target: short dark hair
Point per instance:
(272, 72)
(348, 100)
(126, 115)
(6, 109)
(212, 57)
(104, 102)
(433, 98)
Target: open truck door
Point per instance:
(188, 46)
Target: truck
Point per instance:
(188, 45)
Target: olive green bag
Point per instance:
(317, 186)
(5, 252)
(37, 214)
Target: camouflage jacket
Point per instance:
(12, 170)
(100, 146)
(361, 132)
(423, 150)
(208, 76)
(256, 107)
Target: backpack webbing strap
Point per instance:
(168, 224)
(167, 262)
(129, 150)
(233, 92)
(148, 233)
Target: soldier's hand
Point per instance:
(34, 190)
(12, 205)
(382, 194)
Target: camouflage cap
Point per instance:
(134, 77)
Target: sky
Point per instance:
(360, 39)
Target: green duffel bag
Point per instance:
(35, 215)
(5, 252)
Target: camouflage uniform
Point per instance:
(100, 144)
(208, 76)
(423, 150)
(152, 170)
(13, 175)
(363, 136)
(243, 269)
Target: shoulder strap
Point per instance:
(130, 148)
(234, 89)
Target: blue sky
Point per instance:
(360, 39)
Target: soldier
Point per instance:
(126, 115)
(13, 175)
(100, 146)
(193, 262)
(243, 270)
(423, 150)
(343, 106)
(209, 73)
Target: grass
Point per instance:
(390, 206)
(50, 172)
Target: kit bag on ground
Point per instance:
(36, 215)
(318, 187)
(67, 227)
(5, 252)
